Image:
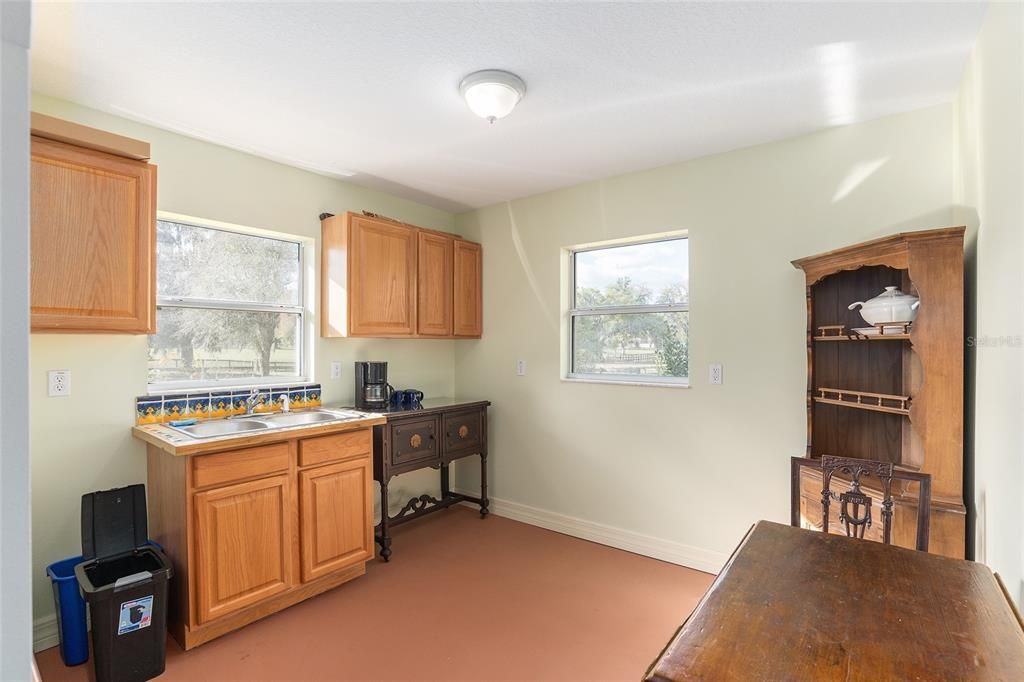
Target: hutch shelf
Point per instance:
(838, 332)
(894, 393)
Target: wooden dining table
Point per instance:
(795, 604)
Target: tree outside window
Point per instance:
(229, 307)
(630, 312)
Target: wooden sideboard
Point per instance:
(431, 435)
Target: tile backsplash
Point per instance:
(159, 409)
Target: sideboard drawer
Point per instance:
(413, 441)
(464, 431)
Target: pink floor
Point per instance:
(462, 599)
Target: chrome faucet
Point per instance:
(252, 401)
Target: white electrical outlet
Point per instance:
(521, 368)
(58, 382)
(335, 370)
(715, 374)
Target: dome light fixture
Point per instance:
(492, 94)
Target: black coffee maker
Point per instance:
(373, 392)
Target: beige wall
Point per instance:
(82, 442)
(685, 471)
(680, 473)
(989, 194)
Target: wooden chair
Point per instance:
(855, 505)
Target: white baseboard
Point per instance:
(44, 633)
(697, 558)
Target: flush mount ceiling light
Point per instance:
(492, 94)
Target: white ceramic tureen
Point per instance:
(892, 305)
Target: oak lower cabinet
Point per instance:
(93, 234)
(252, 530)
(243, 538)
(337, 516)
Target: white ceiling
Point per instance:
(372, 88)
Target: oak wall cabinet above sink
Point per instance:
(383, 278)
(93, 230)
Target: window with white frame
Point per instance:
(230, 308)
(629, 312)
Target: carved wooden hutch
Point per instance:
(898, 395)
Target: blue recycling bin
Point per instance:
(71, 626)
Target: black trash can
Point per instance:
(124, 581)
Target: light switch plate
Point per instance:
(58, 382)
(520, 368)
(335, 370)
(715, 374)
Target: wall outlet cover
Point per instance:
(520, 368)
(715, 374)
(335, 370)
(58, 382)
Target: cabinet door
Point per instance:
(93, 240)
(434, 277)
(382, 279)
(337, 516)
(244, 545)
(468, 296)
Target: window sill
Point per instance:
(627, 382)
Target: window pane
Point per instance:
(644, 344)
(199, 262)
(637, 274)
(199, 344)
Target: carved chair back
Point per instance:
(855, 506)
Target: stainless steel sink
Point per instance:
(224, 427)
(298, 418)
(281, 420)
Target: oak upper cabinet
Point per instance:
(368, 277)
(93, 235)
(435, 261)
(468, 295)
(244, 536)
(382, 278)
(336, 504)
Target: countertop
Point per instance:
(426, 406)
(176, 443)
